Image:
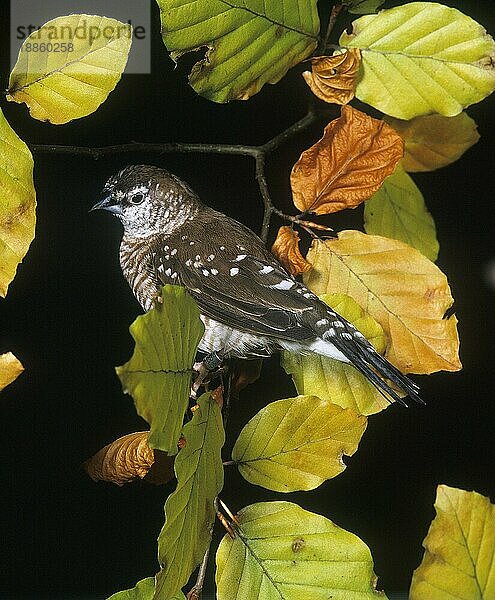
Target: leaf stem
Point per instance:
(196, 591)
(336, 10)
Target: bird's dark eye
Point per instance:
(137, 199)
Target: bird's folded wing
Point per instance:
(244, 292)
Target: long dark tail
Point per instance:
(372, 365)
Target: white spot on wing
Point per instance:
(285, 284)
(321, 322)
(240, 257)
(234, 271)
(168, 272)
(266, 270)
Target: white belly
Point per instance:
(219, 337)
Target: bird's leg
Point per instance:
(208, 368)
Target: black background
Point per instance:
(68, 310)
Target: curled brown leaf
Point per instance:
(286, 249)
(243, 372)
(347, 165)
(127, 458)
(333, 78)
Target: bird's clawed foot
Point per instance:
(206, 371)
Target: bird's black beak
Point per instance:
(108, 202)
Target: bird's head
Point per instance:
(148, 200)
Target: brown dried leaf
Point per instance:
(243, 372)
(333, 78)
(162, 470)
(286, 250)
(125, 459)
(347, 165)
(10, 369)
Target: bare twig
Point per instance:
(197, 589)
(259, 153)
(166, 148)
(336, 10)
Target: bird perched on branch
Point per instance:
(249, 304)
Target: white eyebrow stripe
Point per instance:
(141, 189)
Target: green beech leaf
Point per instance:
(282, 552)
(158, 375)
(17, 202)
(459, 560)
(422, 58)
(61, 86)
(398, 211)
(335, 381)
(143, 590)
(297, 443)
(189, 510)
(248, 43)
(363, 7)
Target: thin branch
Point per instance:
(336, 10)
(259, 153)
(167, 148)
(197, 589)
(280, 139)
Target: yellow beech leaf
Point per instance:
(347, 165)
(297, 443)
(286, 249)
(61, 86)
(333, 380)
(10, 369)
(125, 459)
(422, 58)
(17, 202)
(459, 560)
(398, 211)
(400, 288)
(283, 552)
(333, 78)
(435, 141)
